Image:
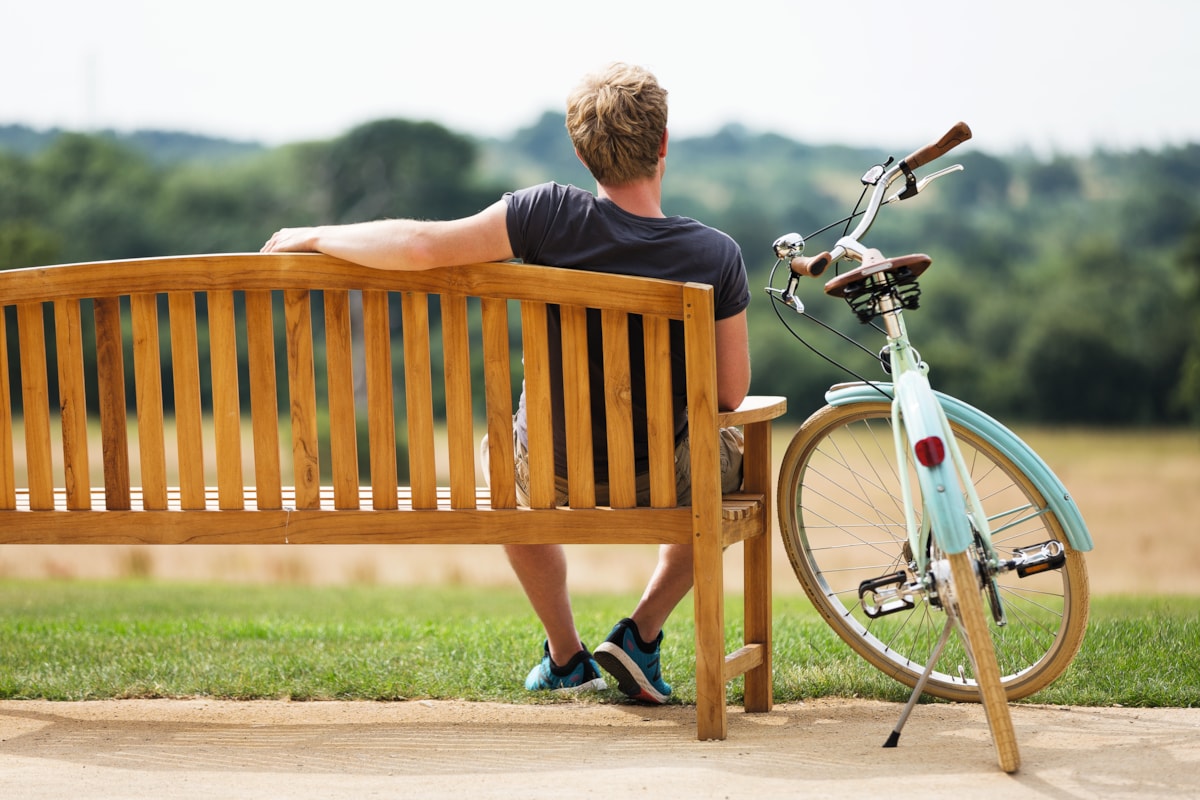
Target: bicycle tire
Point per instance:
(842, 521)
(974, 627)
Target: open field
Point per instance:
(1139, 492)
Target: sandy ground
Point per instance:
(827, 749)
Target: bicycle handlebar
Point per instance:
(849, 245)
(812, 266)
(953, 138)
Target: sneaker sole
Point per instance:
(630, 679)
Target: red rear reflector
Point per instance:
(930, 451)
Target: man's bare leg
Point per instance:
(670, 583)
(542, 571)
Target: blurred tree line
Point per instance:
(1064, 289)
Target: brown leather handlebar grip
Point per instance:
(813, 266)
(953, 138)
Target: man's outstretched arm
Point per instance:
(405, 244)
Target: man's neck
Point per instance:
(641, 198)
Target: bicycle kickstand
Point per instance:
(894, 737)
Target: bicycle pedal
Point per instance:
(1038, 558)
(888, 595)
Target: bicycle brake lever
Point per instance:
(907, 192)
(788, 297)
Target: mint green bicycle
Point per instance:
(908, 514)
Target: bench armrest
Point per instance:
(753, 409)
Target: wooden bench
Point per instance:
(245, 319)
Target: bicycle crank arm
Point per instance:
(888, 594)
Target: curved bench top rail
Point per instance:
(283, 271)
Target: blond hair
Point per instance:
(616, 119)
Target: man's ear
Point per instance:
(662, 148)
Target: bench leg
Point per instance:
(757, 553)
(709, 597)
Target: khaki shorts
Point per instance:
(731, 443)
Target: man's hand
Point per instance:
(291, 240)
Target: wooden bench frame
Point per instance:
(126, 298)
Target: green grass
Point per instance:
(84, 640)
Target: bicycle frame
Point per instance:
(923, 438)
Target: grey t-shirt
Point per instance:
(564, 226)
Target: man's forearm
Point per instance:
(396, 244)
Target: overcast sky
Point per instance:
(1052, 75)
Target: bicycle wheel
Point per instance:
(842, 522)
(964, 591)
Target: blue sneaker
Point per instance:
(580, 674)
(634, 663)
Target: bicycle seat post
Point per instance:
(890, 310)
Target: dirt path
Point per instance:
(202, 748)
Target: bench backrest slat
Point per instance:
(577, 407)
(148, 384)
(114, 422)
(302, 391)
(418, 399)
(535, 356)
(381, 423)
(264, 408)
(68, 332)
(660, 415)
(618, 409)
(343, 426)
(35, 396)
(227, 427)
(497, 388)
(185, 370)
(456, 364)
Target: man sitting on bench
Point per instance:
(617, 121)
